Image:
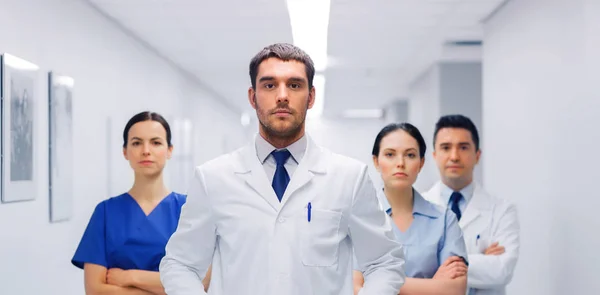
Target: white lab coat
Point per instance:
(492, 220)
(258, 245)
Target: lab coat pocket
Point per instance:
(477, 235)
(320, 238)
(481, 242)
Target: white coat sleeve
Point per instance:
(493, 271)
(190, 249)
(377, 253)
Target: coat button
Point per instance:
(281, 219)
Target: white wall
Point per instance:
(423, 112)
(460, 93)
(445, 88)
(460, 89)
(350, 137)
(540, 110)
(396, 111)
(115, 77)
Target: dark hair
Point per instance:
(408, 128)
(285, 52)
(146, 116)
(457, 121)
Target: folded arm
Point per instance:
(150, 281)
(493, 271)
(147, 280)
(416, 286)
(449, 279)
(96, 284)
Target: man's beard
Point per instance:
(272, 132)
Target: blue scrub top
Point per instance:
(433, 236)
(120, 235)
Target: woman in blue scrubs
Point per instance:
(125, 239)
(434, 248)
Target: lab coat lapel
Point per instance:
(314, 162)
(475, 208)
(469, 215)
(251, 170)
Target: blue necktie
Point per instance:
(281, 177)
(454, 200)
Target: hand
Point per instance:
(118, 277)
(452, 268)
(494, 249)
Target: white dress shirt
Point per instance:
(466, 192)
(264, 150)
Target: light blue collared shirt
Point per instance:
(467, 193)
(433, 237)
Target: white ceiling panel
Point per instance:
(393, 41)
(375, 48)
(212, 40)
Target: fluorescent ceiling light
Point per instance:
(64, 80)
(310, 23)
(363, 113)
(319, 84)
(18, 63)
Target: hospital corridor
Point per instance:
(330, 147)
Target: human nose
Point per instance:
(282, 94)
(400, 162)
(146, 149)
(454, 155)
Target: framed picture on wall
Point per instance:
(60, 137)
(19, 99)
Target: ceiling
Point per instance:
(375, 48)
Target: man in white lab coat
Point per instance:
(490, 225)
(282, 215)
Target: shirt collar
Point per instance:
(264, 148)
(467, 192)
(420, 206)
